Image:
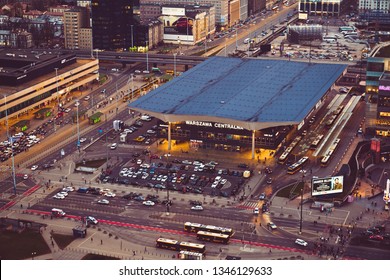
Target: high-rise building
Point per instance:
(76, 29)
(111, 24)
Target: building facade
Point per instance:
(111, 24)
(41, 84)
(221, 8)
(76, 28)
(320, 8)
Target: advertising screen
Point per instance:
(328, 185)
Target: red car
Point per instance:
(376, 237)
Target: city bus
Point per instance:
(169, 244)
(284, 156)
(195, 227)
(176, 245)
(329, 39)
(346, 29)
(192, 247)
(213, 237)
(325, 160)
(316, 142)
(185, 255)
(294, 168)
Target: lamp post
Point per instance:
(303, 186)
(78, 127)
(132, 87)
(132, 36)
(174, 64)
(58, 97)
(147, 56)
(12, 144)
(236, 38)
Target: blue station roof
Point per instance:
(251, 93)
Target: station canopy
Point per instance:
(251, 93)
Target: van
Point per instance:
(57, 212)
(247, 40)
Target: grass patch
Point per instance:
(290, 191)
(63, 240)
(92, 163)
(19, 246)
(98, 257)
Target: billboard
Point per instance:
(328, 185)
(178, 24)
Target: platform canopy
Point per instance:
(250, 93)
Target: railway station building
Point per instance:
(32, 80)
(236, 104)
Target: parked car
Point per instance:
(197, 208)
(103, 201)
(148, 203)
(34, 167)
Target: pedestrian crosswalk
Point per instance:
(250, 204)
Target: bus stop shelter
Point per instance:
(95, 118)
(42, 113)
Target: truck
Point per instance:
(123, 137)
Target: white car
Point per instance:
(218, 178)
(34, 167)
(25, 176)
(343, 90)
(145, 165)
(77, 104)
(301, 242)
(145, 175)
(137, 72)
(92, 220)
(272, 226)
(148, 203)
(145, 72)
(110, 194)
(63, 193)
(68, 189)
(214, 185)
(83, 139)
(87, 98)
(103, 201)
(223, 181)
(197, 208)
(113, 146)
(67, 110)
(59, 196)
(139, 161)
(256, 211)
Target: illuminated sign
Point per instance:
(385, 88)
(173, 11)
(217, 125)
(328, 185)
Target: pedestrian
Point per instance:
(145, 250)
(101, 242)
(133, 253)
(91, 239)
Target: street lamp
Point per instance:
(174, 64)
(58, 97)
(132, 87)
(11, 141)
(78, 127)
(147, 56)
(303, 186)
(132, 37)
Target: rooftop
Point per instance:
(251, 93)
